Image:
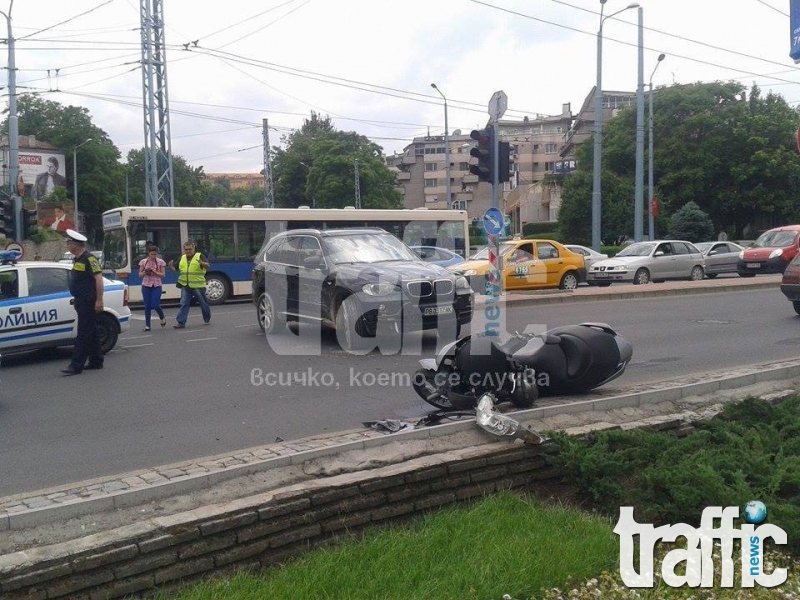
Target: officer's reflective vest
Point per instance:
(192, 275)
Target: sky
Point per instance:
(369, 64)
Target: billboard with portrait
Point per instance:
(40, 173)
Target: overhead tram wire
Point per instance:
(91, 10)
(680, 37)
(625, 43)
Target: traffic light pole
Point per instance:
(495, 167)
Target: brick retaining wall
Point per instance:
(267, 529)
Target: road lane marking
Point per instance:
(248, 325)
(201, 339)
(138, 337)
(138, 345)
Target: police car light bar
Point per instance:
(9, 256)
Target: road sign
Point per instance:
(497, 106)
(493, 221)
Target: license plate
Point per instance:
(437, 310)
(601, 275)
(753, 265)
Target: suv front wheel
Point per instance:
(346, 319)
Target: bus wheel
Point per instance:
(217, 289)
(107, 332)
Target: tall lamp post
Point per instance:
(446, 146)
(651, 222)
(13, 127)
(598, 128)
(75, 180)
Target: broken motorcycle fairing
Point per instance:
(566, 360)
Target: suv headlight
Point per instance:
(379, 289)
(741, 255)
(776, 253)
(463, 284)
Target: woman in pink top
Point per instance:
(151, 270)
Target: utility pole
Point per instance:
(13, 128)
(157, 138)
(358, 188)
(269, 194)
(638, 209)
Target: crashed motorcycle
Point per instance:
(562, 361)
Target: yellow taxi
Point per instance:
(527, 265)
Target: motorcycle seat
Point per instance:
(577, 354)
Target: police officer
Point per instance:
(86, 286)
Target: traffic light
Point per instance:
(29, 223)
(483, 152)
(7, 221)
(504, 161)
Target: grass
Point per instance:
(506, 544)
(526, 548)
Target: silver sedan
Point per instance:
(589, 256)
(644, 262)
(720, 257)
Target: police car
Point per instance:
(36, 308)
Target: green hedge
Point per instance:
(534, 230)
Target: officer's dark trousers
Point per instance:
(87, 344)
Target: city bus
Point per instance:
(230, 238)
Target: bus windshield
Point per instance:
(115, 251)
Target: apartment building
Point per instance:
(541, 147)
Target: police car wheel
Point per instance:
(108, 329)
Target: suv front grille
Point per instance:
(423, 289)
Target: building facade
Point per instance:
(541, 148)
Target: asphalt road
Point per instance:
(172, 395)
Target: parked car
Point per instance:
(362, 282)
(36, 308)
(589, 256)
(643, 262)
(437, 256)
(770, 253)
(720, 257)
(527, 265)
(790, 285)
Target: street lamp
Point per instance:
(651, 221)
(598, 128)
(75, 180)
(446, 146)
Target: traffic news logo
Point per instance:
(697, 555)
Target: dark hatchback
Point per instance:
(790, 285)
(365, 283)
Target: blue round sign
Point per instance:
(493, 221)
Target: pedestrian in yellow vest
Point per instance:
(191, 269)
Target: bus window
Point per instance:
(213, 239)
(164, 234)
(305, 225)
(250, 237)
(393, 227)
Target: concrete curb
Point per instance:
(649, 291)
(21, 511)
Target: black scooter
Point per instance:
(565, 360)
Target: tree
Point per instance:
(317, 168)
(187, 182)
(692, 224)
(100, 176)
(734, 157)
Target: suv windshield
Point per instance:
(366, 248)
(775, 239)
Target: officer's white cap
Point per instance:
(75, 236)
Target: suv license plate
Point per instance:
(437, 310)
(753, 265)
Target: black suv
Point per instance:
(363, 282)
